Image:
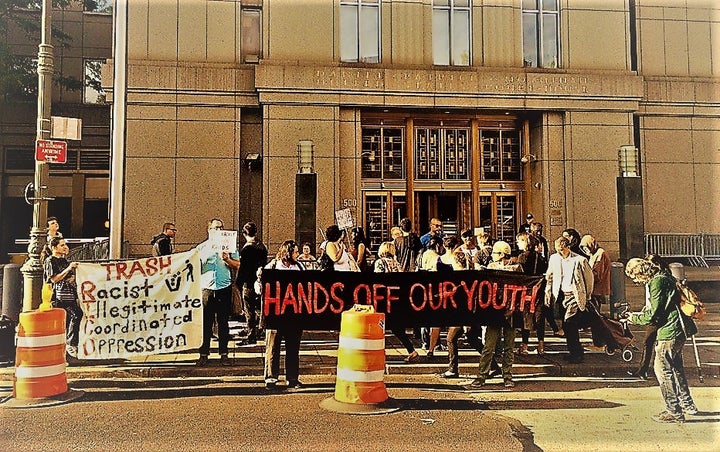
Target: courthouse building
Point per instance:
(601, 115)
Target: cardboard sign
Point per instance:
(315, 300)
(140, 307)
(223, 241)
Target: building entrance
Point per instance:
(452, 208)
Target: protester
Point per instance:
(53, 230)
(484, 255)
(162, 243)
(570, 285)
(436, 230)
(407, 246)
(573, 237)
(525, 227)
(61, 274)
(533, 264)
(453, 259)
(501, 261)
(216, 280)
(285, 259)
(337, 252)
(359, 250)
(468, 246)
(673, 330)
(429, 261)
(536, 228)
(252, 257)
(306, 257)
(600, 264)
(386, 263)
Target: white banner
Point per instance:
(140, 307)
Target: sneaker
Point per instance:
(450, 374)
(509, 383)
(225, 361)
(495, 373)
(270, 382)
(668, 418)
(295, 384)
(476, 384)
(202, 361)
(691, 410)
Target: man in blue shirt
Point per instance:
(436, 229)
(216, 280)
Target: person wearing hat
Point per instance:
(501, 256)
(525, 227)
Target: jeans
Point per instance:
(216, 304)
(73, 315)
(273, 339)
(492, 334)
(670, 373)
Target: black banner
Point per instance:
(314, 300)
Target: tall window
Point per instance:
(451, 32)
(500, 155)
(541, 31)
(360, 31)
(251, 34)
(93, 92)
(382, 153)
(442, 154)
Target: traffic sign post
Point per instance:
(51, 151)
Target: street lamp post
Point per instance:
(32, 269)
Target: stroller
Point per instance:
(612, 334)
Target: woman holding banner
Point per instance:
(386, 263)
(285, 259)
(61, 274)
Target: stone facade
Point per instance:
(637, 72)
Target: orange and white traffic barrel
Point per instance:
(360, 386)
(40, 356)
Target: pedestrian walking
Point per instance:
(568, 290)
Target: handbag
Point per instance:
(325, 263)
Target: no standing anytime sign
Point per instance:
(51, 151)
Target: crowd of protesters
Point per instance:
(577, 286)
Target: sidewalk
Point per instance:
(319, 352)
